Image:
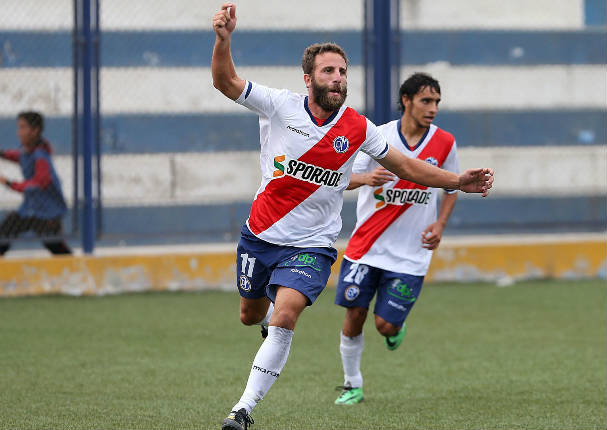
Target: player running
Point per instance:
(396, 230)
(308, 146)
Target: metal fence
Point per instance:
(36, 69)
(180, 163)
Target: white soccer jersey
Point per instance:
(392, 217)
(305, 167)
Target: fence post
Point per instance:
(87, 111)
(381, 56)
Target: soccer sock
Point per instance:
(266, 320)
(351, 349)
(268, 364)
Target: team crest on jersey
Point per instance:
(341, 144)
(244, 284)
(351, 292)
(432, 160)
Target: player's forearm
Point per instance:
(446, 207)
(10, 155)
(420, 172)
(224, 74)
(357, 180)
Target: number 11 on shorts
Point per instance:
(250, 261)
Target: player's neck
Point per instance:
(411, 130)
(317, 111)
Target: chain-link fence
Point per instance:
(36, 164)
(523, 93)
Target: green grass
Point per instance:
(530, 356)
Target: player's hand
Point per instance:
(3, 180)
(432, 235)
(224, 21)
(379, 176)
(476, 181)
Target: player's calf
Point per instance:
(253, 311)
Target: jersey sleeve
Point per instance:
(451, 164)
(261, 99)
(362, 163)
(375, 144)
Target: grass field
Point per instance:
(529, 356)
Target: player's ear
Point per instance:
(307, 80)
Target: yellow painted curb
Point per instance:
(503, 262)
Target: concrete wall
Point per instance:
(503, 262)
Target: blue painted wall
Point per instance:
(274, 48)
(122, 134)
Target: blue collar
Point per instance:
(402, 138)
(327, 121)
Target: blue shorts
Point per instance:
(396, 292)
(262, 266)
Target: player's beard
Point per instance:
(326, 102)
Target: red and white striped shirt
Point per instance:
(392, 217)
(305, 166)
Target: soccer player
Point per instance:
(396, 230)
(308, 145)
(43, 204)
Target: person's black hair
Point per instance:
(34, 119)
(414, 84)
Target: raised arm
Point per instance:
(420, 172)
(225, 78)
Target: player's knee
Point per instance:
(285, 318)
(385, 328)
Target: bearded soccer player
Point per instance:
(308, 146)
(396, 230)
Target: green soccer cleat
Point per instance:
(349, 396)
(393, 342)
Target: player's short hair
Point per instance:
(33, 119)
(310, 53)
(414, 84)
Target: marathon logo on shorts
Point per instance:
(401, 196)
(301, 272)
(305, 172)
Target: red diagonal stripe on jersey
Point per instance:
(282, 195)
(365, 236)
